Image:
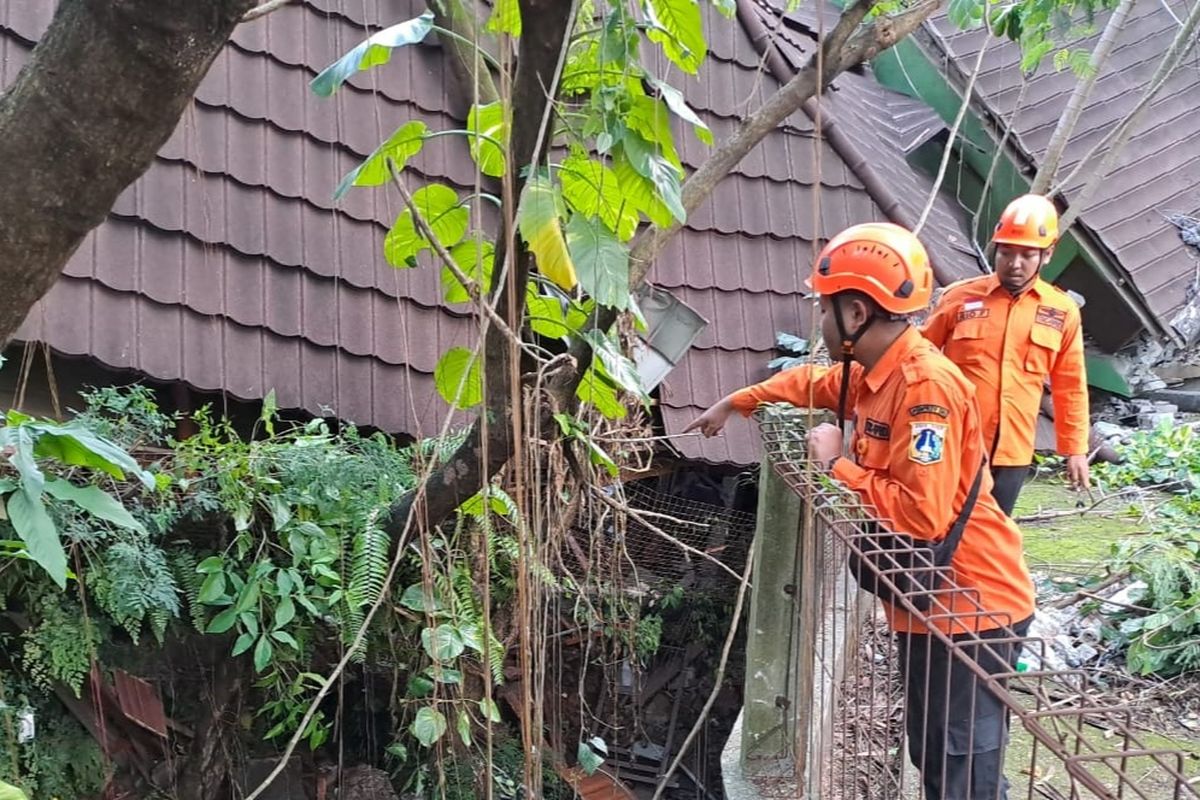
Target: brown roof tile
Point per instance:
(229, 267)
(1159, 168)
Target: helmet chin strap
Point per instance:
(848, 342)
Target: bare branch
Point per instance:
(264, 9)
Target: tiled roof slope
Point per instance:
(749, 285)
(228, 267)
(1159, 169)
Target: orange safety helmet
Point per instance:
(883, 261)
(1029, 221)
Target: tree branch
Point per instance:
(1083, 88)
(264, 9)
(101, 95)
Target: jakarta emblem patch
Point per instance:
(927, 443)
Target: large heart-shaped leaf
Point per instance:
(488, 137)
(475, 259)
(374, 51)
(677, 26)
(428, 726)
(658, 170)
(677, 104)
(402, 145)
(600, 260)
(438, 205)
(592, 189)
(506, 18)
(458, 378)
(443, 642)
(74, 444)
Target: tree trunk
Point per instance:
(207, 768)
(1079, 96)
(102, 93)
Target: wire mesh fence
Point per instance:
(840, 699)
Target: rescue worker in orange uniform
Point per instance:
(916, 452)
(1008, 332)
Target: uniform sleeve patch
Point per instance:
(927, 443)
(929, 408)
(1053, 317)
(877, 430)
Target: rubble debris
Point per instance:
(140, 702)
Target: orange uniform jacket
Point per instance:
(916, 449)
(1007, 346)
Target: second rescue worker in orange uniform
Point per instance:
(916, 452)
(1007, 332)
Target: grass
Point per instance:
(1072, 545)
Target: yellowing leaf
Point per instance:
(458, 379)
(489, 137)
(506, 18)
(439, 206)
(592, 189)
(538, 221)
(677, 26)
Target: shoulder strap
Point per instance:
(946, 547)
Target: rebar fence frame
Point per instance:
(803, 719)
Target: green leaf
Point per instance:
(553, 316)
(286, 638)
(593, 190)
(374, 51)
(601, 394)
(442, 642)
(20, 438)
(402, 145)
(419, 686)
(210, 565)
(506, 18)
(616, 365)
(446, 675)
(601, 261)
(538, 220)
(438, 204)
(680, 31)
(242, 644)
(285, 612)
(262, 653)
(640, 191)
(223, 621)
(74, 444)
(95, 501)
(31, 522)
(10, 792)
(458, 379)
(658, 170)
(489, 709)
(650, 119)
(428, 726)
(475, 259)
(676, 103)
(588, 759)
(488, 137)
(414, 598)
(213, 588)
(464, 727)
(963, 13)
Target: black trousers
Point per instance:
(1007, 486)
(957, 729)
